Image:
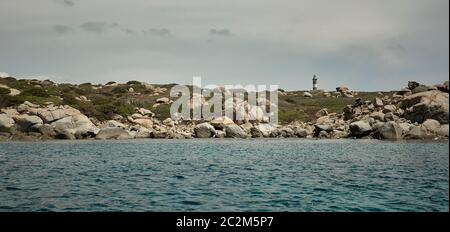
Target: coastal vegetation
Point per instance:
(47, 110)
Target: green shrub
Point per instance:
(85, 84)
(162, 111)
(291, 115)
(124, 109)
(111, 83)
(10, 79)
(5, 101)
(133, 83)
(4, 91)
(35, 92)
(69, 98)
(119, 90)
(139, 88)
(107, 110)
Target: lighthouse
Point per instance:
(314, 82)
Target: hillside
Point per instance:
(39, 110)
(104, 101)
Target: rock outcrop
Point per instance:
(390, 130)
(235, 131)
(204, 130)
(113, 133)
(360, 128)
(415, 112)
(426, 105)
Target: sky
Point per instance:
(363, 44)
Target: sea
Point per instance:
(256, 175)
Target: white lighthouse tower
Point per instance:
(314, 82)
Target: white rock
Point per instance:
(307, 94)
(168, 122)
(221, 122)
(163, 100)
(144, 111)
(113, 133)
(204, 130)
(113, 123)
(431, 125)
(390, 130)
(360, 128)
(234, 131)
(6, 121)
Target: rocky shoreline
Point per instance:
(415, 112)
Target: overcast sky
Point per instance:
(364, 44)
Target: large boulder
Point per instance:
(377, 115)
(403, 92)
(442, 131)
(338, 134)
(220, 134)
(301, 132)
(52, 113)
(342, 89)
(78, 125)
(113, 123)
(418, 132)
(45, 129)
(145, 122)
(256, 133)
(6, 122)
(286, 132)
(406, 127)
(389, 108)
(25, 121)
(377, 102)
(142, 132)
(162, 134)
(390, 130)
(427, 105)
(10, 112)
(307, 95)
(360, 128)
(220, 122)
(234, 131)
(318, 128)
(113, 133)
(266, 129)
(324, 120)
(431, 125)
(204, 130)
(168, 122)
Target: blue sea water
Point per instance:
(224, 175)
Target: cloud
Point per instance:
(394, 54)
(62, 29)
(69, 3)
(98, 27)
(371, 46)
(222, 32)
(157, 32)
(129, 31)
(102, 27)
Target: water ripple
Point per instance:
(224, 175)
